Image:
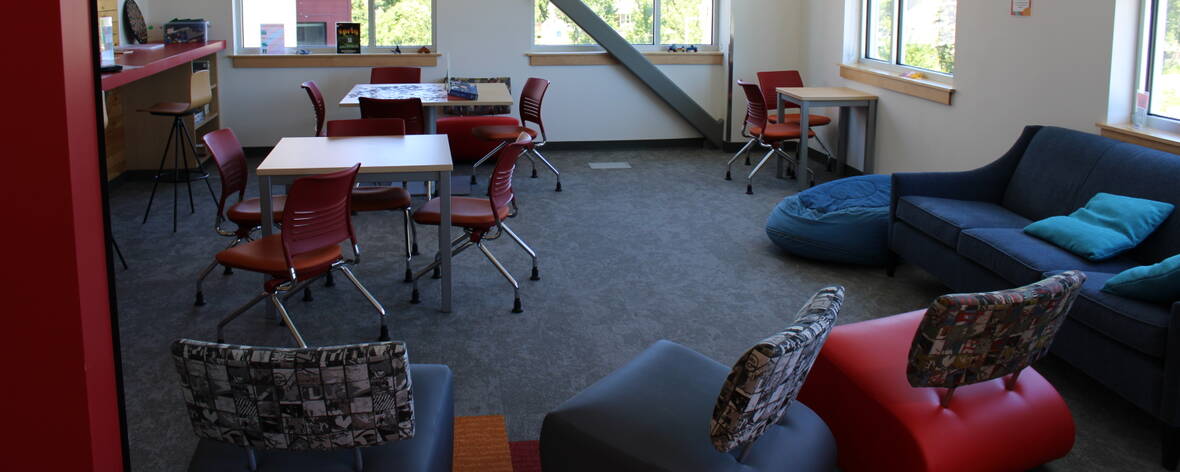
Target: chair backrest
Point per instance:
(200, 89)
(772, 79)
(395, 75)
(755, 105)
(768, 377)
(318, 213)
(317, 102)
(367, 127)
(531, 97)
(318, 398)
(500, 192)
(408, 109)
(231, 164)
(969, 338)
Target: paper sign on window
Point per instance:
(1021, 7)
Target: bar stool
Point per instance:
(200, 94)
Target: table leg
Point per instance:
(444, 237)
(268, 224)
(870, 165)
(804, 149)
(430, 117)
(842, 142)
(781, 107)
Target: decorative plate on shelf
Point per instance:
(133, 19)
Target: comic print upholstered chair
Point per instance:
(654, 413)
(339, 408)
(949, 388)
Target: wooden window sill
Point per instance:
(574, 58)
(926, 89)
(334, 60)
(1146, 137)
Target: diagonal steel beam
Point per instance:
(644, 70)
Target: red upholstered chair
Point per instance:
(317, 219)
(317, 103)
(949, 388)
(770, 80)
(530, 111)
(483, 219)
(247, 212)
(408, 109)
(765, 134)
(395, 75)
(466, 147)
(380, 198)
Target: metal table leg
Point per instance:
(842, 143)
(870, 165)
(804, 117)
(268, 224)
(430, 115)
(444, 237)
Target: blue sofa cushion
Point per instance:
(1021, 259)
(654, 413)
(1159, 283)
(1108, 225)
(1140, 325)
(844, 220)
(1052, 170)
(944, 218)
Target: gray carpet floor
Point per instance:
(664, 250)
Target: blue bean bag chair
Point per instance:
(843, 220)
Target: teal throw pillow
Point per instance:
(1106, 226)
(1154, 283)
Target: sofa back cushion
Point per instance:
(1136, 171)
(1052, 170)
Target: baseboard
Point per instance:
(814, 156)
(626, 144)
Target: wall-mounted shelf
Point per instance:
(927, 89)
(1147, 137)
(574, 58)
(334, 60)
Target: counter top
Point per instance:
(147, 62)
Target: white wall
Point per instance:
(490, 38)
(1051, 68)
(768, 35)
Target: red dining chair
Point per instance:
(771, 80)
(380, 198)
(395, 75)
(483, 220)
(765, 134)
(317, 102)
(408, 109)
(530, 111)
(316, 220)
(230, 160)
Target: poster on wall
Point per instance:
(273, 41)
(1021, 7)
(348, 38)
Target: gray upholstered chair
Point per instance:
(351, 407)
(654, 413)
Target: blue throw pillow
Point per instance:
(1154, 283)
(1106, 226)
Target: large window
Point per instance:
(1163, 59)
(642, 22)
(311, 24)
(918, 34)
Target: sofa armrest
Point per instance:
(1170, 399)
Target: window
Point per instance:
(311, 24)
(918, 34)
(1163, 59)
(642, 22)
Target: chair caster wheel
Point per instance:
(414, 250)
(200, 299)
(329, 281)
(728, 176)
(436, 274)
(516, 306)
(534, 174)
(473, 181)
(415, 297)
(536, 274)
(409, 276)
(749, 189)
(747, 160)
(228, 271)
(307, 295)
(558, 189)
(384, 333)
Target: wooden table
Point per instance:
(382, 159)
(845, 98)
(432, 95)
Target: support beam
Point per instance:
(643, 69)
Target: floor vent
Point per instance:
(610, 165)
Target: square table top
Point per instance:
(825, 94)
(432, 95)
(376, 154)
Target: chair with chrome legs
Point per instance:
(317, 218)
(317, 103)
(477, 216)
(765, 134)
(380, 198)
(530, 111)
(771, 80)
(395, 75)
(230, 160)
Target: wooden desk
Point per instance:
(845, 98)
(432, 96)
(382, 159)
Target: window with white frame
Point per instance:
(384, 23)
(1162, 77)
(642, 22)
(917, 34)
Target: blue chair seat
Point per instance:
(653, 414)
(844, 220)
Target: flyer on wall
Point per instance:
(1021, 7)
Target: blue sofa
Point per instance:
(966, 229)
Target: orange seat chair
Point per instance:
(765, 134)
(771, 80)
(530, 112)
